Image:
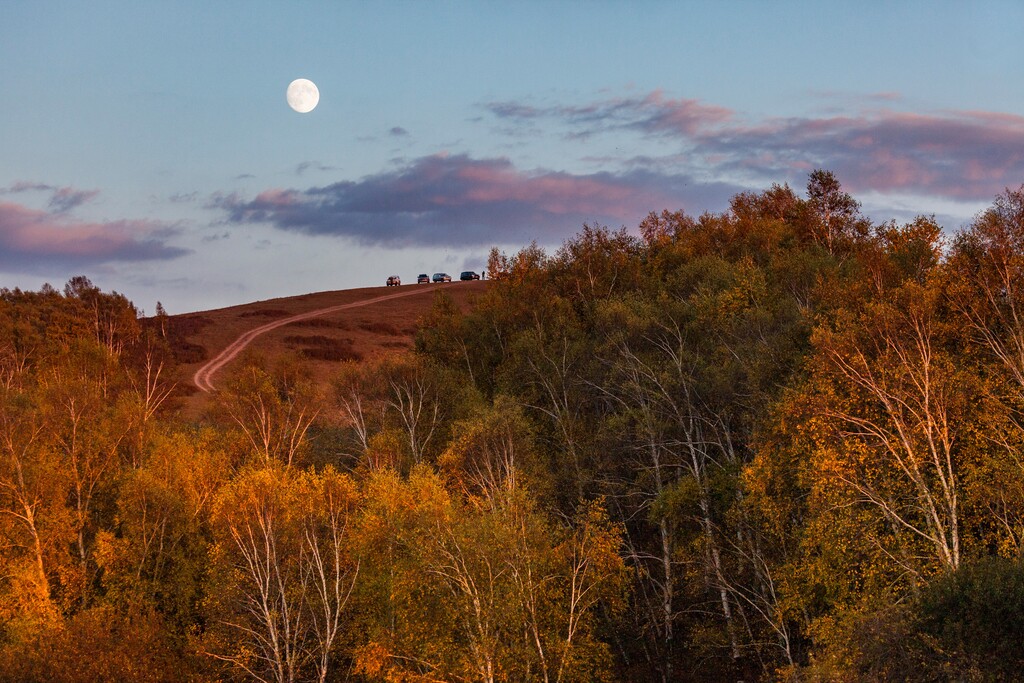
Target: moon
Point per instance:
(302, 95)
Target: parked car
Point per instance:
(394, 280)
(421, 278)
(469, 275)
(442, 277)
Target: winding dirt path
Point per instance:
(204, 375)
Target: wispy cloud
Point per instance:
(314, 166)
(62, 199)
(458, 200)
(65, 198)
(964, 155)
(26, 186)
(967, 155)
(652, 113)
(33, 239)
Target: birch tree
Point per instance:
(283, 550)
(274, 411)
(899, 407)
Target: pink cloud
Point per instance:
(30, 237)
(685, 116)
(553, 192)
(968, 155)
(61, 198)
(277, 197)
(454, 199)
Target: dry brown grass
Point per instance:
(265, 313)
(380, 327)
(320, 322)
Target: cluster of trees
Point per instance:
(775, 443)
(384, 531)
(808, 425)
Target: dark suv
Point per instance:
(421, 278)
(469, 275)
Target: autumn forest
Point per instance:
(778, 443)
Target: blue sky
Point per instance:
(148, 145)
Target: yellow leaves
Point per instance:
(273, 411)
(453, 457)
(593, 553)
(284, 567)
(377, 662)
(385, 450)
(25, 601)
(460, 586)
(490, 452)
(395, 516)
(371, 659)
(330, 490)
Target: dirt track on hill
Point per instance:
(203, 379)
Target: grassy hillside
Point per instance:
(323, 342)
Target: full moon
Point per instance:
(302, 95)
